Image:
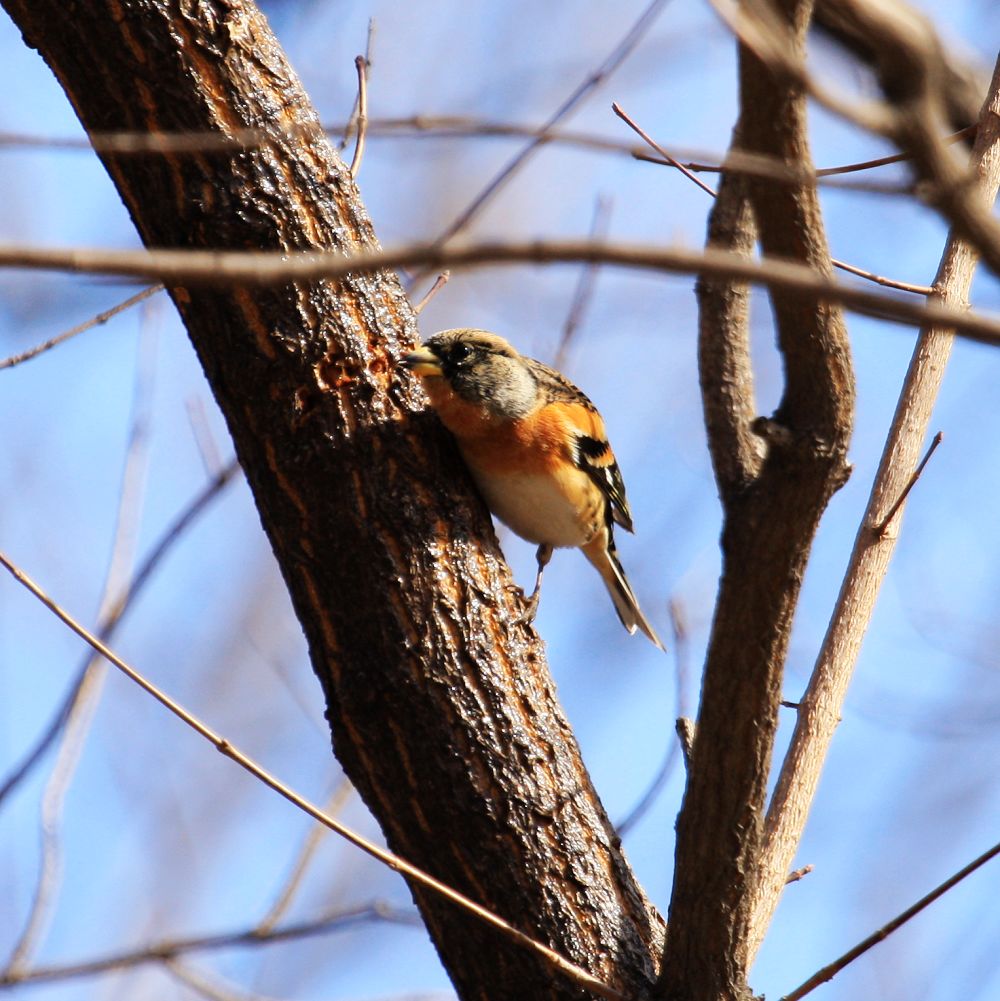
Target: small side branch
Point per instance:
(359, 147)
(830, 971)
(883, 525)
(820, 707)
(573, 972)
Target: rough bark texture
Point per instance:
(440, 704)
(770, 521)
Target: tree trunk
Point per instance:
(440, 703)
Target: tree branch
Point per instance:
(220, 269)
(770, 520)
(820, 708)
(441, 706)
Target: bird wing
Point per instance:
(591, 449)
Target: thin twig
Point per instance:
(849, 168)
(143, 575)
(830, 971)
(359, 146)
(451, 127)
(439, 283)
(573, 972)
(681, 648)
(796, 874)
(94, 321)
(211, 459)
(87, 693)
(635, 127)
(303, 858)
(883, 525)
(170, 948)
(685, 729)
(593, 80)
(821, 705)
(348, 128)
(585, 285)
(220, 268)
(842, 265)
(210, 986)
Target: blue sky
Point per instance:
(162, 836)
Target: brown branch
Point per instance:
(842, 265)
(820, 707)
(680, 646)
(248, 764)
(911, 66)
(439, 283)
(144, 573)
(884, 161)
(796, 874)
(830, 971)
(913, 117)
(362, 121)
(170, 948)
(94, 321)
(439, 700)
(352, 119)
(724, 368)
(584, 291)
(961, 85)
(592, 81)
(771, 513)
(883, 525)
(87, 694)
(222, 269)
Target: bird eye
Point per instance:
(460, 352)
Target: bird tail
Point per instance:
(601, 553)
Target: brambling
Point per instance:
(537, 450)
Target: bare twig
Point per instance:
(573, 972)
(210, 986)
(796, 874)
(842, 265)
(895, 283)
(650, 141)
(193, 267)
(458, 127)
(914, 118)
(349, 127)
(821, 705)
(359, 146)
(685, 732)
(143, 575)
(681, 647)
(171, 948)
(584, 287)
(94, 321)
(211, 459)
(300, 866)
(593, 80)
(439, 283)
(830, 971)
(883, 525)
(87, 693)
(849, 168)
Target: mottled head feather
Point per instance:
(485, 369)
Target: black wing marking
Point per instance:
(597, 460)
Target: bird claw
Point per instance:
(530, 609)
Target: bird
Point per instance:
(537, 450)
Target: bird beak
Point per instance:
(423, 361)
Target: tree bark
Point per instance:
(772, 508)
(440, 702)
